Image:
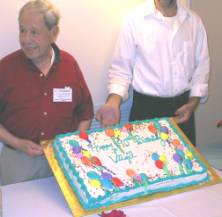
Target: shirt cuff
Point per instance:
(200, 91)
(119, 90)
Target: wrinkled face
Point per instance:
(34, 36)
(166, 3)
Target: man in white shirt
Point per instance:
(162, 51)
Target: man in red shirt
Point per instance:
(42, 93)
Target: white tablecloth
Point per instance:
(43, 198)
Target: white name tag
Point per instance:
(62, 94)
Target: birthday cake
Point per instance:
(127, 161)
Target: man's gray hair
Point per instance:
(50, 13)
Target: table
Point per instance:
(44, 198)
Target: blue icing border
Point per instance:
(92, 202)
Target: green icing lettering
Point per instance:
(128, 156)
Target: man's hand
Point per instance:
(183, 113)
(109, 113)
(30, 148)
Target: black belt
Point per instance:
(169, 100)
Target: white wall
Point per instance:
(210, 113)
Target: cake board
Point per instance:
(74, 204)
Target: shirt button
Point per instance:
(45, 93)
(42, 133)
(45, 113)
(41, 75)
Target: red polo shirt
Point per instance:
(36, 107)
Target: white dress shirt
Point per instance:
(161, 56)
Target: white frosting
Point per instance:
(119, 155)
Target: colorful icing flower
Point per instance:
(86, 153)
(107, 184)
(131, 173)
(189, 154)
(86, 161)
(163, 158)
(117, 182)
(176, 142)
(178, 158)
(129, 127)
(138, 178)
(113, 134)
(83, 135)
(113, 213)
(95, 183)
(73, 143)
(155, 156)
(188, 164)
(164, 136)
(76, 149)
(135, 177)
(109, 132)
(93, 175)
(117, 133)
(96, 161)
(106, 175)
(181, 153)
(152, 129)
(164, 129)
(159, 164)
(144, 177)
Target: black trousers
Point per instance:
(148, 107)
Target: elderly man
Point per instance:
(162, 51)
(42, 93)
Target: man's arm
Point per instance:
(109, 113)
(84, 125)
(23, 145)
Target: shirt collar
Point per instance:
(56, 56)
(150, 10)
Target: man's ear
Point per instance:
(54, 33)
